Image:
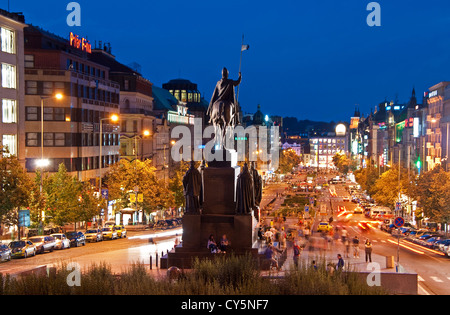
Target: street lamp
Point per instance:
(145, 133)
(42, 163)
(113, 118)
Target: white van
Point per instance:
(379, 210)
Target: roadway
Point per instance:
(432, 268)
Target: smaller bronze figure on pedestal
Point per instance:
(257, 184)
(245, 195)
(192, 186)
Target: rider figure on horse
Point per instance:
(223, 108)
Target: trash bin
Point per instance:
(390, 262)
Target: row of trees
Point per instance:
(60, 198)
(431, 189)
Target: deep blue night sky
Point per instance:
(308, 59)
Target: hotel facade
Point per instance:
(68, 130)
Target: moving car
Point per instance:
(22, 249)
(44, 243)
(61, 240)
(121, 231)
(76, 238)
(109, 232)
(5, 252)
(94, 235)
(324, 227)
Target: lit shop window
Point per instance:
(9, 111)
(8, 43)
(8, 76)
(9, 142)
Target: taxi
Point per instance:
(121, 231)
(324, 227)
(109, 232)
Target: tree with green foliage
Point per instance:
(366, 178)
(288, 160)
(390, 186)
(67, 199)
(125, 176)
(15, 188)
(432, 191)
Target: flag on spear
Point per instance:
(245, 47)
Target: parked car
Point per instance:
(160, 225)
(76, 238)
(23, 248)
(94, 235)
(62, 241)
(429, 243)
(413, 235)
(422, 239)
(442, 244)
(44, 243)
(121, 231)
(109, 232)
(5, 252)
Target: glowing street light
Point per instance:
(57, 96)
(113, 118)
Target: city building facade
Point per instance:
(74, 129)
(12, 86)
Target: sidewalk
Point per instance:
(330, 256)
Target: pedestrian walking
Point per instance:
(297, 251)
(355, 242)
(347, 248)
(368, 249)
(340, 264)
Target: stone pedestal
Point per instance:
(218, 217)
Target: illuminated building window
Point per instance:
(8, 42)
(8, 76)
(183, 96)
(10, 142)
(9, 111)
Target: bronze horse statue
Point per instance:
(222, 110)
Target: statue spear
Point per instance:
(243, 47)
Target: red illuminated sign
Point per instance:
(80, 43)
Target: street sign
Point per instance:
(306, 208)
(105, 193)
(398, 206)
(399, 222)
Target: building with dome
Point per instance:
(187, 93)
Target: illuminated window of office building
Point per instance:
(190, 97)
(8, 43)
(10, 142)
(9, 111)
(8, 76)
(183, 96)
(177, 94)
